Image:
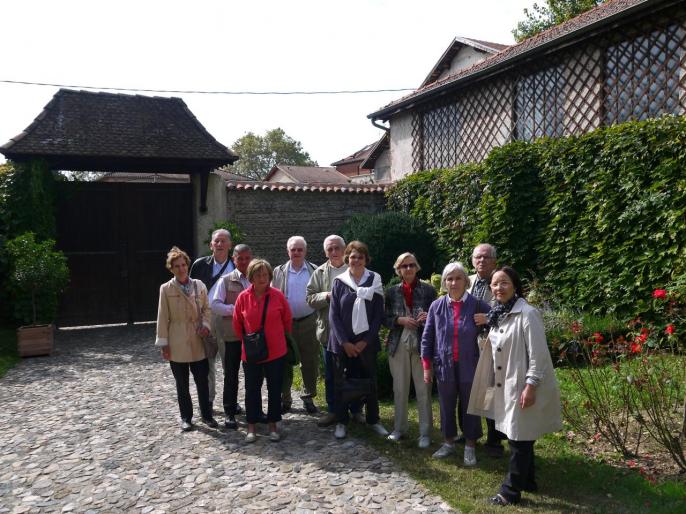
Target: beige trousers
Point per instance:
(406, 365)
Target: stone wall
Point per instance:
(268, 218)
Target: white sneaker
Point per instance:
(340, 431)
(251, 437)
(424, 442)
(395, 436)
(446, 450)
(379, 429)
(469, 456)
(274, 437)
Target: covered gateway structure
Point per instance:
(116, 234)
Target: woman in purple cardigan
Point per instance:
(449, 345)
(355, 315)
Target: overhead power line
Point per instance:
(199, 92)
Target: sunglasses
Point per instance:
(412, 265)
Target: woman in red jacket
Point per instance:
(247, 318)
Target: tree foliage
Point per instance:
(553, 12)
(258, 154)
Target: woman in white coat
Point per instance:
(515, 382)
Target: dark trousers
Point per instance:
(232, 364)
(254, 374)
(200, 370)
(494, 437)
(448, 394)
(521, 473)
(362, 366)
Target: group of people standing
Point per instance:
(481, 342)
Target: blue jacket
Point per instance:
(437, 339)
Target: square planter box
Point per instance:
(35, 340)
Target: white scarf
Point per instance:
(360, 322)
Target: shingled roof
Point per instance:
(309, 174)
(83, 130)
(602, 16)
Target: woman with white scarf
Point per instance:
(355, 317)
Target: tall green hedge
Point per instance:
(600, 219)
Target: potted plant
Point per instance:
(38, 274)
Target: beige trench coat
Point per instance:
(177, 320)
(521, 351)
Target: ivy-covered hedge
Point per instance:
(599, 219)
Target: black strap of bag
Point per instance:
(255, 344)
(214, 278)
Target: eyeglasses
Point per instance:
(408, 266)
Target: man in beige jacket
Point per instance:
(222, 303)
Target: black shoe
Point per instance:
(186, 426)
(327, 420)
(494, 450)
(310, 407)
(285, 407)
(262, 418)
(231, 422)
(498, 499)
(210, 422)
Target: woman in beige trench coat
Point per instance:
(183, 319)
(515, 382)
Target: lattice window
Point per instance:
(539, 104)
(633, 72)
(645, 75)
(487, 114)
(441, 132)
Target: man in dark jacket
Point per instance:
(210, 269)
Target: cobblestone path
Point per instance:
(94, 429)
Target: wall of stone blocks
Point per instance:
(269, 218)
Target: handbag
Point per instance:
(255, 343)
(208, 341)
(355, 389)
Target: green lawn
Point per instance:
(8, 349)
(568, 481)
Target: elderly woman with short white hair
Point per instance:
(406, 308)
(450, 352)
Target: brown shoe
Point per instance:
(326, 420)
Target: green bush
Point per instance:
(389, 234)
(598, 219)
(38, 274)
(237, 236)
(27, 194)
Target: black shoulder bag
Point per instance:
(255, 343)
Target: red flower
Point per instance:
(598, 337)
(669, 330)
(636, 347)
(660, 293)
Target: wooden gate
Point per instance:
(116, 237)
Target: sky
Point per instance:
(255, 45)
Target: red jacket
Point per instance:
(247, 318)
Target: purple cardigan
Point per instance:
(437, 339)
(341, 317)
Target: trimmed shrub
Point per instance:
(388, 234)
